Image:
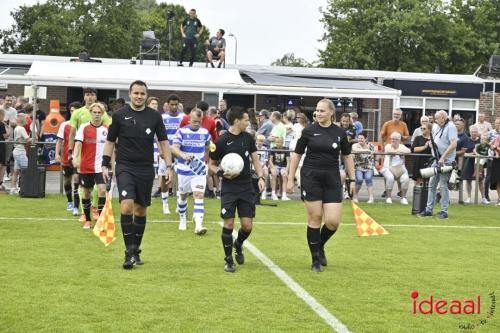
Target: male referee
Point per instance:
(237, 192)
(135, 126)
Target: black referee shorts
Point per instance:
(320, 185)
(239, 197)
(135, 183)
(88, 180)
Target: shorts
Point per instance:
(280, 171)
(239, 197)
(189, 184)
(135, 182)
(88, 180)
(320, 185)
(68, 171)
(20, 159)
(162, 167)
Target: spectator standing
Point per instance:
(21, 138)
(421, 145)
(418, 131)
(357, 124)
(468, 169)
(191, 29)
(4, 134)
(265, 125)
(279, 129)
(394, 125)
(482, 125)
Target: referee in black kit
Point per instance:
(321, 187)
(135, 126)
(237, 192)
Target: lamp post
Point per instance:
(235, 47)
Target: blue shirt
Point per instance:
(443, 137)
(192, 142)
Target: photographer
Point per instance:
(444, 143)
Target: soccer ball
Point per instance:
(232, 164)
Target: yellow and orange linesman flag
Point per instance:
(105, 228)
(365, 225)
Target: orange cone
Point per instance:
(365, 225)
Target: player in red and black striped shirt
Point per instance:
(89, 140)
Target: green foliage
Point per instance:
(60, 278)
(289, 60)
(106, 28)
(410, 35)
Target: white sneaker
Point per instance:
(275, 197)
(485, 201)
(182, 222)
(166, 210)
(467, 201)
(76, 211)
(404, 201)
(388, 200)
(14, 191)
(200, 230)
(355, 200)
(285, 198)
(6, 178)
(263, 196)
(370, 200)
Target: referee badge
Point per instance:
(334, 145)
(148, 131)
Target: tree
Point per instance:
(105, 28)
(289, 60)
(406, 35)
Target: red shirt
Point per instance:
(63, 134)
(93, 140)
(206, 122)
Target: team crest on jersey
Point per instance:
(148, 131)
(104, 133)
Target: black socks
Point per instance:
(227, 241)
(140, 226)
(314, 242)
(128, 230)
(326, 234)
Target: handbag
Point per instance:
(397, 170)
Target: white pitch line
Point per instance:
(320, 310)
(439, 226)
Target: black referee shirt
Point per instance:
(135, 131)
(324, 144)
(242, 144)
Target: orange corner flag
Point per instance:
(365, 225)
(105, 228)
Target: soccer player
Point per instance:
(134, 128)
(321, 186)
(171, 119)
(237, 189)
(69, 172)
(82, 116)
(89, 141)
(190, 145)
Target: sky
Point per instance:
(265, 30)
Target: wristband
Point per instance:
(106, 161)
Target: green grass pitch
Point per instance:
(56, 277)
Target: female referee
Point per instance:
(321, 187)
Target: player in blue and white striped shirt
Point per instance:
(190, 146)
(171, 119)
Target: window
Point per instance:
(411, 102)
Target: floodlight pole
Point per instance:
(235, 48)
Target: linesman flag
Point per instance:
(365, 225)
(105, 228)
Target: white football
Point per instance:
(232, 164)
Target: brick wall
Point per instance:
(486, 103)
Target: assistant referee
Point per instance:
(321, 187)
(135, 126)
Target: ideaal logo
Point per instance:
(441, 306)
(430, 305)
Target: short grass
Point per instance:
(57, 277)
